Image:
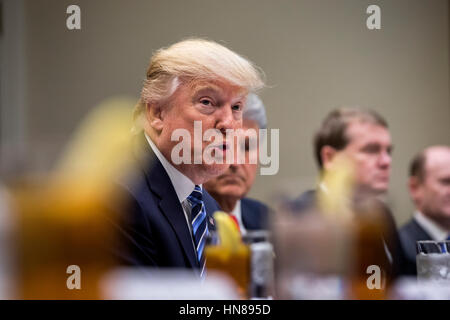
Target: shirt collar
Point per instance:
(431, 227)
(237, 212)
(183, 185)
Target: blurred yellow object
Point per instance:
(100, 148)
(60, 226)
(231, 256)
(229, 234)
(358, 215)
(336, 192)
(66, 217)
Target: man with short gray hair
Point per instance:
(230, 188)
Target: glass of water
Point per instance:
(433, 261)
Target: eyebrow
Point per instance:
(206, 87)
(210, 88)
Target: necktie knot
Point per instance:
(196, 196)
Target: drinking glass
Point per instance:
(433, 261)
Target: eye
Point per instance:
(206, 102)
(236, 107)
(389, 150)
(371, 148)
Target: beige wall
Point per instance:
(316, 55)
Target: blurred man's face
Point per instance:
(218, 105)
(433, 193)
(369, 150)
(235, 183)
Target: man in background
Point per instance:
(230, 188)
(429, 187)
(363, 138)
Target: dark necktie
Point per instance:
(199, 225)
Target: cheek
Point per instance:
(368, 166)
(431, 196)
(211, 184)
(362, 167)
(207, 121)
(250, 173)
(171, 124)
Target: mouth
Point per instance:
(233, 177)
(382, 177)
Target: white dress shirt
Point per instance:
(436, 232)
(237, 212)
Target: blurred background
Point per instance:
(316, 54)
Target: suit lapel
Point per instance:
(419, 232)
(249, 215)
(211, 207)
(171, 208)
(159, 182)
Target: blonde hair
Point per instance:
(194, 59)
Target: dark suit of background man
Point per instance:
(429, 187)
(231, 187)
(363, 137)
(193, 80)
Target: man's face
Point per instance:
(218, 105)
(369, 150)
(235, 183)
(433, 196)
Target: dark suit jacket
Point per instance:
(153, 230)
(409, 234)
(255, 214)
(307, 201)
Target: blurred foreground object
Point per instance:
(248, 263)
(60, 224)
(342, 236)
(408, 288)
(262, 255)
(226, 253)
(63, 230)
(140, 283)
(7, 249)
(433, 262)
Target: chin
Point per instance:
(214, 170)
(232, 191)
(380, 190)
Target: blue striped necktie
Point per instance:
(199, 225)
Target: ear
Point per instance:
(327, 155)
(154, 116)
(415, 190)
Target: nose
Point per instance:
(225, 119)
(385, 160)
